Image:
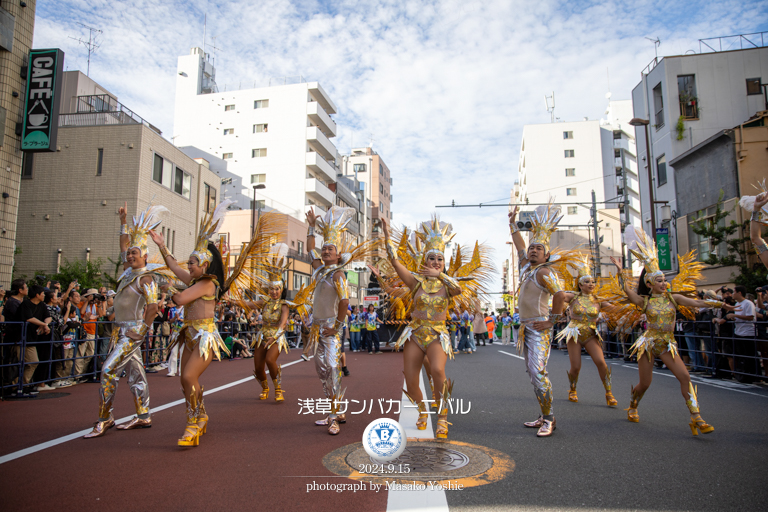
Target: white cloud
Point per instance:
(444, 87)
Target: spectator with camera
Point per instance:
(35, 313)
(70, 333)
(91, 308)
(744, 333)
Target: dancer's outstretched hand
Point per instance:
(158, 238)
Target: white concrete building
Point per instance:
(278, 136)
(688, 99)
(568, 161)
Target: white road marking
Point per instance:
(81, 433)
(513, 355)
(407, 501)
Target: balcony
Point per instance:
(621, 144)
(321, 118)
(320, 96)
(319, 192)
(618, 162)
(320, 143)
(320, 166)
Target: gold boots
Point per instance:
(202, 418)
(441, 432)
(421, 423)
(191, 435)
(632, 410)
(697, 423)
(264, 389)
(572, 391)
(276, 381)
(609, 398)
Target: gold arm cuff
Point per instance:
(124, 257)
(141, 329)
(311, 231)
(755, 215)
(338, 324)
(555, 317)
(448, 281)
(513, 228)
(124, 229)
(391, 253)
(149, 291)
(166, 254)
(717, 304)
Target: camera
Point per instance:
(99, 298)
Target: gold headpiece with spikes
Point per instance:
(333, 223)
(209, 226)
(544, 220)
(582, 266)
(433, 236)
(275, 265)
(644, 249)
(748, 203)
(139, 231)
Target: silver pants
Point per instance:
(328, 363)
(536, 352)
(126, 355)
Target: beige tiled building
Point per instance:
(106, 156)
(17, 25)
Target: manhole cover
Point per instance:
(430, 459)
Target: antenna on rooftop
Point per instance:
(370, 144)
(656, 43)
(550, 102)
(91, 44)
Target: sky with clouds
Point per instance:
(444, 88)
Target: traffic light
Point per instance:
(524, 221)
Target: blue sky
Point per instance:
(443, 87)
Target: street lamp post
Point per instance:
(644, 122)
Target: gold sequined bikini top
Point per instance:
(272, 312)
(660, 311)
(584, 308)
(433, 307)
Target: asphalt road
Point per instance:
(258, 454)
(596, 459)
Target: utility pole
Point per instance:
(596, 257)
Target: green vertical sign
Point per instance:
(662, 245)
(40, 120)
(352, 278)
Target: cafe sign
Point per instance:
(41, 106)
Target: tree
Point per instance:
(738, 249)
(87, 273)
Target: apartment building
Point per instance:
(277, 137)
(17, 25)
(106, 156)
(685, 100)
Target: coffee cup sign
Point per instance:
(41, 107)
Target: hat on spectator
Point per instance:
(111, 293)
(711, 294)
(91, 291)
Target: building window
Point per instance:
(381, 188)
(210, 199)
(226, 156)
(567, 135)
(754, 86)
(229, 131)
(570, 172)
(617, 134)
(259, 153)
(227, 108)
(182, 183)
(703, 245)
(658, 106)
(258, 178)
(570, 191)
(381, 169)
(616, 153)
(260, 204)
(359, 167)
(686, 91)
(661, 170)
(99, 161)
(261, 104)
(570, 153)
(27, 165)
(381, 207)
(573, 210)
(300, 247)
(162, 171)
(260, 128)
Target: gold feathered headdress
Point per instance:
(209, 226)
(544, 220)
(748, 203)
(644, 249)
(275, 266)
(331, 225)
(582, 267)
(139, 231)
(433, 236)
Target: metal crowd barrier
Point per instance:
(53, 365)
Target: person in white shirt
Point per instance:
(743, 325)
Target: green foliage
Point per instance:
(680, 127)
(738, 248)
(111, 280)
(87, 273)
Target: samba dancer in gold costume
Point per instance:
(199, 334)
(539, 282)
(422, 286)
(585, 306)
(330, 300)
(136, 290)
(758, 207)
(267, 344)
(660, 306)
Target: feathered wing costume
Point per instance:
(760, 216)
(470, 272)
